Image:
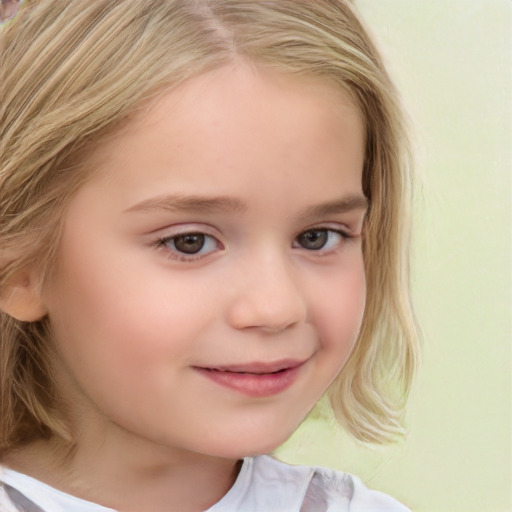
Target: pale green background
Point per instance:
(452, 61)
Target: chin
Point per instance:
(246, 444)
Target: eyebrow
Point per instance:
(338, 206)
(226, 204)
(192, 203)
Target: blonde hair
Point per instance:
(74, 71)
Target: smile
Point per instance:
(255, 379)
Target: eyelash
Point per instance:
(176, 254)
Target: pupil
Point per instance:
(314, 240)
(189, 244)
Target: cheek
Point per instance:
(118, 326)
(124, 324)
(122, 337)
(341, 311)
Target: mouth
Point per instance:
(255, 379)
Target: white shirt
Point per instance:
(263, 485)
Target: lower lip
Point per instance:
(254, 384)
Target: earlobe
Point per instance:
(21, 299)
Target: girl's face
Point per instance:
(210, 284)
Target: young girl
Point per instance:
(203, 228)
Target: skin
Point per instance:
(133, 318)
(8, 9)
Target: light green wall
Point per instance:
(452, 61)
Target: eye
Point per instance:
(320, 239)
(189, 244)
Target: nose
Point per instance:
(267, 296)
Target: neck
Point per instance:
(130, 477)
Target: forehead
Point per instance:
(237, 84)
(234, 122)
(234, 87)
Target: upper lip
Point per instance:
(257, 367)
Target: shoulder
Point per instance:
(22, 493)
(324, 489)
(369, 500)
(6, 505)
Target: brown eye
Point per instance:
(321, 239)
(189, 246)
(190, 243)
(314, 239)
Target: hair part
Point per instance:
(74, 73)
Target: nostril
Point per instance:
(268, 317)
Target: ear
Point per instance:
(21, 298)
